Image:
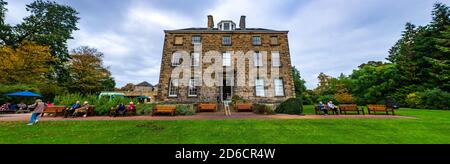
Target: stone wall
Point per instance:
(240, 42)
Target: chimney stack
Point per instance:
(242, 22)
(210, 22)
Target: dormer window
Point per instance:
(226, 25)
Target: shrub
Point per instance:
(413, 100)
(290, 106)
(144, 109)
(102, 106)
(263, 109)
(435, 99)
(185, 110)
(429, 99)
(235, 99)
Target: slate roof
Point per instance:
(237, 30)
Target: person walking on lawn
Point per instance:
(39, 107)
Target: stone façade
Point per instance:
(241, 40)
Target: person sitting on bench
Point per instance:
(332, 107)
(5, 107)
(72, 109)
(22, 108)
(131, 107)
(121, 109)
(83, 110)
(322, 108)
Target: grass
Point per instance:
(430, 126)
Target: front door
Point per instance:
(227, 91)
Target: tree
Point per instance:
(3, 11)
(371, 84)
(108, 84)
(50, 24)
(5, 29)
(406, 59)
(25, 64)
(87, 73)
(299, 83)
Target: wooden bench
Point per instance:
(244, 107)
(55, 110)
(350, 108)
(207, 107)
(164, 109)
(318, 111)
(380, 108)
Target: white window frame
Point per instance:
(173, 90)
(175, 57)
(258, 59)
(196, 41)
(226, 59)
(259, 88)
(256, 43)
(278, 87)
(223, 40)
(193, 87)
(225, 25)
(276, 59)
(195, 59)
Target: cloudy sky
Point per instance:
(330, 36)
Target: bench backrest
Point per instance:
(377, 107)
(55, 109)
(317, 107)
(244, 105)
(207, 105)
(165, 107)
(348, 107)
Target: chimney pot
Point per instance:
(242, 23)
(210, 22)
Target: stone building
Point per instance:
(144, 91)
(242, 51)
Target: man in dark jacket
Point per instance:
(390, 103)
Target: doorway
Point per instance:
(226, 90)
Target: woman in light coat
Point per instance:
(39, 107)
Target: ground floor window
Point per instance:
(193, 89)
(259, 87)
(279, 89)
(173, 88)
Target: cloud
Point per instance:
(330, 36)
(16, 11)
(133, 47)
(336, 36)
(150, 19)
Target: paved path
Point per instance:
(201, 116)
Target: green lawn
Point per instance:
(430, 126)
